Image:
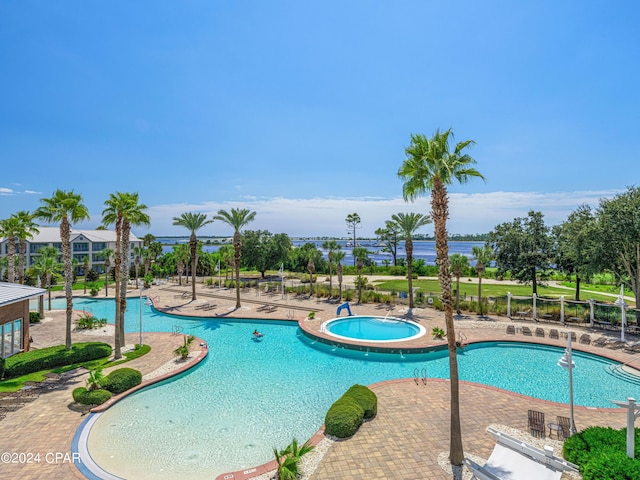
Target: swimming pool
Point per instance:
(372, 329)
(248, 397)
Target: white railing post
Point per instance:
(562, 309)
(535, 297)
(591, 313)
(509, 304)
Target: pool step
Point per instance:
(619, 372)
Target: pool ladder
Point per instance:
(176, 330)
(417, 376)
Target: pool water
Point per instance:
(374, 329)
(250, 396)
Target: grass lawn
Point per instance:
(488, 289)
(15, 384)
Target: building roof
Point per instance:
(15, 292)
(52, 235)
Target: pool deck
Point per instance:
(404, 441)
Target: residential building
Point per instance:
(14, 317)
(84, 243)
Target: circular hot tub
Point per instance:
(372, 329)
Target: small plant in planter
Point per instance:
(438, 333)
(183, 350)
(95, 379)
(311, 315)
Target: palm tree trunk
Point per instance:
(65, 236)
(11, 262)
(118, 266)
(124, 281)
(577, 287)
(479, 294)
(408, 245)
(22, 255)
(237, 244)
(194, 261)
(440, 213)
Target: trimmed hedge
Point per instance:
(51, 357)
(122, 379)
(348, 412)
(91, 397)
(365, 398)
(600, 452)
(343, 418)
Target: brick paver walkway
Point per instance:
(403, 442)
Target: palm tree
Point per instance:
(123, 210)
(65, 207)
(106, 254)
(288, 460)
(338, 256)
(430, 167)
(45, 265)
(182, 257)
(408, 223)
(360, 255)
(192, 222)
(236, 219)
(458, 262)
(483, 256)
(10, 228)
(332, 246)
(26, 228)
(137, 260)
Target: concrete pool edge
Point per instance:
(87, 466)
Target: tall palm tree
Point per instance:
(236, 219)
(430, 166)
(65, 207)
(10, 228)
(458, 263)
(483, 256)
(45, 265)
(123, 210)
(360, 256)
(182, 257)
(192, 222)
(26, 228)
(408, 224)
(332, 246)
(105, 255)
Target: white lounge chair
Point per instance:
(512, 459)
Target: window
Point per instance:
(57, 245)
(97, 246)
(81, 247)
(35, 247)
(11, 333)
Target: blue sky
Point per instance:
(301, 110)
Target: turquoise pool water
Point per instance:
(249, 396)
(376, 329)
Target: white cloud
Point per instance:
(6, 191)
(32, 192)
(469, 213)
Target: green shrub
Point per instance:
(2, 365)
(343, 418)
(600, 452)
(91, 397)
(92, 275)
(365, 398)
(34, 317)
(122, 379)
(611, 465)
(51, 357)
(90, 322)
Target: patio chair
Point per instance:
(540, 332)
(565, 426)
(553, 333)
(585, 339)
(600, 341)
(536, 424)
(511, 329)
(526, 331)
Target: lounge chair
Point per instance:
(565, 426)
(526, 331)
(600, 341)
(540, 332)
(536, 425)
(511, 329)
(585, 339)
(513, 459)
(553, 333)
(615, 344)
(632, 347)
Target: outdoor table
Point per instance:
(554, 427)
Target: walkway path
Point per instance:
(403, 442)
